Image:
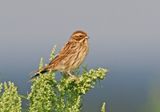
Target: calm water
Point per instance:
(124, 38)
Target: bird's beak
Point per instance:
(87, 37)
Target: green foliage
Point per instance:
(103, 109)
(42, 94)
(71, 90)
(41, 63)
(52, 55)
(88, 80)
(9, 100)
(49, 94)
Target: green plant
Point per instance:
(49, 94)
(9, 100)
(103, 109)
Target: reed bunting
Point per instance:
(70, 57)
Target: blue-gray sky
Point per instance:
(125, 37)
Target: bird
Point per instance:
(70, 56)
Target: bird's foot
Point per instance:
(74, 77)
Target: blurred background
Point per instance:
(124, 37)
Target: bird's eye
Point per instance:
(80, 35)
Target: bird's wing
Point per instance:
(68, 49)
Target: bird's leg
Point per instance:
(69, 73)
(72, 76)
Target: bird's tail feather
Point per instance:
(39, 72)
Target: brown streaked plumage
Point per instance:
(71, 55)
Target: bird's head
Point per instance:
(79, 36)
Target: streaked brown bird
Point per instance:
(71, 55)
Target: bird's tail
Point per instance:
(37, 73)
